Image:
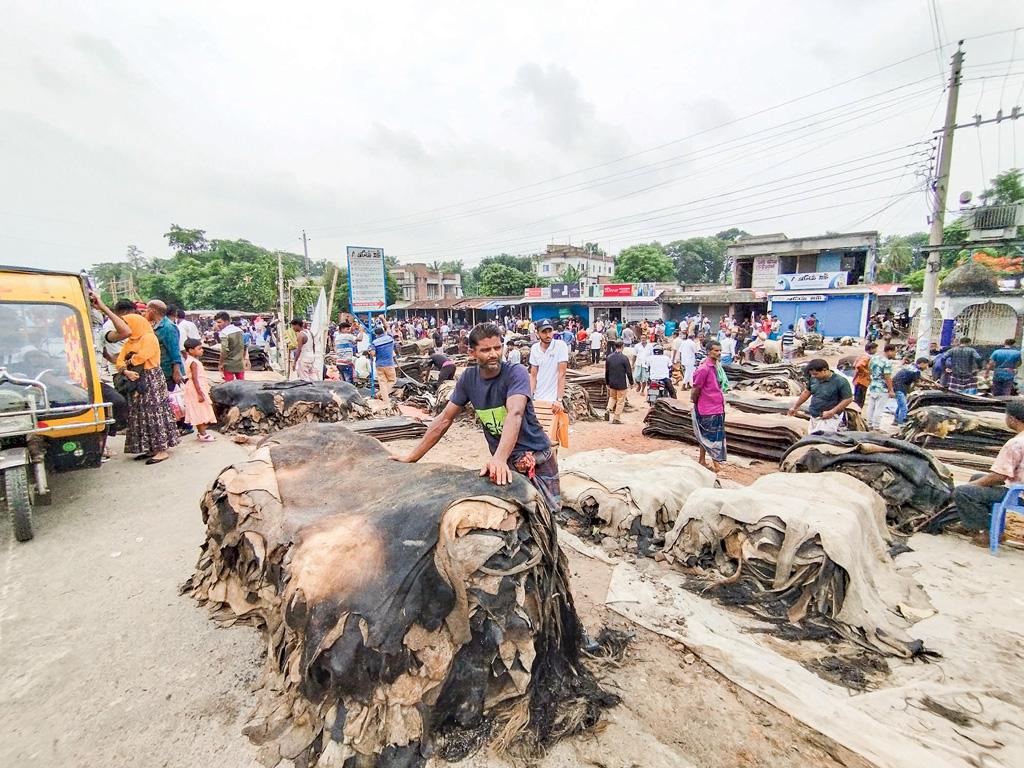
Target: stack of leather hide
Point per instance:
(597, 390)
(810, 550)
(914, 484)
(748, 402)
(253, 407)
(625, 495)
(775, 378)
(257, 357)
(577, 403)
(408, 609)
(765, 436)
(945, 398)
(957, 429)
(395, 428)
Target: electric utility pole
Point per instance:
(305, 250)
(931, 272)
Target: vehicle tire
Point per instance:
(19, 501)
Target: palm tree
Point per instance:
(572, 274)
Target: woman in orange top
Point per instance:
(151, 426)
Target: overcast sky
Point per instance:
(458, 130)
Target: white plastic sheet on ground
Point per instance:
(965, 709)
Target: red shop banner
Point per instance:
(617, 289)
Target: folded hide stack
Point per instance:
(748, 402)
(944, 397)
(765, 436)
(775, 378)
(255, 407)
(913, 483)
(409, 609)
(957, 429)
(807, 549)
(594, 383)
(622, 494)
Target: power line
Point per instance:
(803, 126)
(589, 227)
(716, 168)
(719, 126)
(617, 233)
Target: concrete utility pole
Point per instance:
(931, 272)
(305, 250)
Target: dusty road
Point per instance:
(104, 665)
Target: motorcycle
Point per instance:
(655, 390)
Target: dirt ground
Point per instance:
(105, 665)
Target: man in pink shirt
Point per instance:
(974, 500)
(708, 412)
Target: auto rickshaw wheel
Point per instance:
(19, 501)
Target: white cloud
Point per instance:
(372, 123)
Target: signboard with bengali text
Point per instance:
(367, 281)
(766, 271)
(812, 280)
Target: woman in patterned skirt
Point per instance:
(151, 426)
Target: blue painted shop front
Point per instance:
(838, 315)
(556, 312)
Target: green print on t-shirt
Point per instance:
(493, 419)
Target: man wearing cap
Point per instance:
(549, 359)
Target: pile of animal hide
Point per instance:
(257, 357)
(622, 495)
(764, 436)
(257, 407)
(924, 398)
(408, 609)
(913, 483)
(807, 550)
(577, 403)
(395, 428)
(750, 403)
(813, 341)
(776, 378)
(956, 429)
(594, 383)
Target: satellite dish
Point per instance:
(965, 197)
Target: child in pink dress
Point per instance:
(198, 409)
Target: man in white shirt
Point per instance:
(595, 345)
(687, 354)
(549, 359)
(658, 367)
(642, 351)
(186, 328)
(728, 348)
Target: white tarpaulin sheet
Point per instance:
(965, 709)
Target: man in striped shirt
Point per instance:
(788, 344)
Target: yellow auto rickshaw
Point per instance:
(52, 412)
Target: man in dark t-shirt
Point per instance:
(500, 394)
(830, 394)
(444, 365)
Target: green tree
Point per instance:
(645, 263)
(187, 242)
(1007, 188)
(572, 274)
(698, 259)
(594, 249)
(498, 279)
(899, 255)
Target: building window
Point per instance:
(547, 268)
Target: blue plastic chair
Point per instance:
(1011, 503)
